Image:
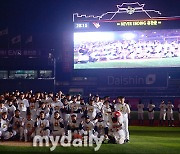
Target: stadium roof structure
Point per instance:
(125, 11)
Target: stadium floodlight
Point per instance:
(128, 36)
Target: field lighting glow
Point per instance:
(93, 36)
(128, 36)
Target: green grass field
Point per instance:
(152, 140)
(137, 63)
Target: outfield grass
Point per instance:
(158, 140)
(136, 63)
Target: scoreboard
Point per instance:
(130, 37)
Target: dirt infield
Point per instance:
(16, 143)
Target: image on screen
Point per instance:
(127, 49)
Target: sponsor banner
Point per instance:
(140, 79)
(5, 53)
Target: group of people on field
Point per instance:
(166, 110)
(26, 115)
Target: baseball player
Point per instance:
(56, 104)
(45, 109)
(91, 110)
(106, 111)
(57, 124)
(74, 125)
(170, 117)
(10, 108)
(140, 108)
(75, 108)
(65, 110)
(82, 107)
(101, 128)
(42, 125)
(33, 110)
(29, 128)
(68, 97)
(2, 108)
(162, 116)
(78, 98)
(87, 124)
(179, 112)
(5, 134)
(17, 125)
(129, 115)
(151, 107)
(98, 104)
(23, 105)
(116, 128)
(125, 110)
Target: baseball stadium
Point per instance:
(94, 76)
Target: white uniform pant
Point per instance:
(19, 131)
(140, 116)
(26, 136)
(151, 115)
(6, 135)
(66, 118)
(119, 136)
(125, 127)
(162, 116)
(170, 116)
(42, 132)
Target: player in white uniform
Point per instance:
(74, 125)
(151, 107)
(11, 108)
(170, 117)
(78, 98)
(23, 105)
(140, 108)
(98, 104)
(65, 110)
(91, 110)
(162, 116)
(179, 112)
(42, 125)
(45, 109)
(87, 125)
(100, 126)
(2, 108)
(33, 110)
(56, 105)
(57, 125)
(125, 110)
(82, 107)
(29, 128)
(68, 97)
(129, 115)
(5, 134)
(17, 125)
(116, 128)
(75, 108)
(106, 111)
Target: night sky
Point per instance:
(46, 20)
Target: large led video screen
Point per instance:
(127, 49)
